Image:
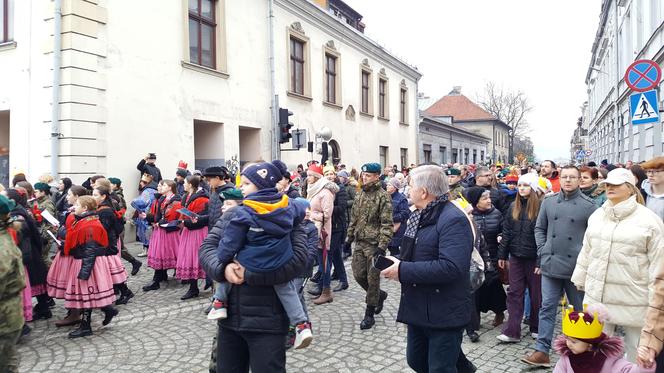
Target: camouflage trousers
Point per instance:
(364, 272)
(8, 354)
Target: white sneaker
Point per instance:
(534, 335)
(303, 335)
(218, 311)
(506, 339)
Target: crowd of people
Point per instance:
(520, 242)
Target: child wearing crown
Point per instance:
(584, 348)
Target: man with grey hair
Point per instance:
(434, 274)
(484, 178)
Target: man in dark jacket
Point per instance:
(284, 185)
(147, 166)
(371, 229)
(339, 224)
(400, 214)
(253, 334)
(219, 180)
(561, 225)
(483, 179)
(434, 274)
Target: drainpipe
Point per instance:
(274, 143)
(55, 107)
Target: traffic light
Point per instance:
(284, 125)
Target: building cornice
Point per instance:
(329, 24)
(447, 127)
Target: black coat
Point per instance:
(30, 243)
(254, 305)
(518, 235)
(490, 224)
(112, 224)
(147, 168)
(339, 221)
(435, 270)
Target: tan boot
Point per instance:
(325, 297)
(73, 318)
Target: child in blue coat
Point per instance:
(258, 237)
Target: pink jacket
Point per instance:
(321, 201)
(612, 347)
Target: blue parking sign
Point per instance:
(643, 107)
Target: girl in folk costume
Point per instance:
(28, 239)
(112, 221)
(58, 273)
(163, 215)
(194, 232)
(90, 284)
(320, 194)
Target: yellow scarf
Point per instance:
(264, 208)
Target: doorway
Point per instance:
(208, 144)
(335, 152)
(4, 148)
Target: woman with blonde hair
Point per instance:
(622, 249)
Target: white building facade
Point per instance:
(629, 30)
(194, 81)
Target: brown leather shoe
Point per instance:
(537, 358)
(73, 318)
(499, 319)
(325, 297)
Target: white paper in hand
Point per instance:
(50, 218)
(55, 239)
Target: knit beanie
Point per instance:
(282, 168)
(115, 181)
(6, 205)
(329, 168)
(182, 173)
(473, 194)
(263, 175)
(42, 186)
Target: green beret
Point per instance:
(6, 205)
(373, 168)
(42, 186)
(115, 181)
(452, 171)
(232, 194)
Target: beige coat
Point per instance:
(652, 334)
(622, 250)
(321, 198)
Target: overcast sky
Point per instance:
(541, 48)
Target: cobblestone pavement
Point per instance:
(157, 332)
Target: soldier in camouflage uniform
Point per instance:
(43, 203)
(454, 178)
(370, 229)
(12, 282)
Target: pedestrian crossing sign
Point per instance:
(644, 108)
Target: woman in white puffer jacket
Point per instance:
(622, 248)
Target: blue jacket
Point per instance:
(261, 242)
(400, 214)
(434, 271)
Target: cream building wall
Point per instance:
(128, 88)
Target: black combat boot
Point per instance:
(84, 329)
(135, 266)
(125, 294)
(192, 292)
(154, 284)
(368, 321)
(109, 313)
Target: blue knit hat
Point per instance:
(263, 175)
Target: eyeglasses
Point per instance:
(569, 177)
(653, 172)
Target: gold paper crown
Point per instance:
(581, 329)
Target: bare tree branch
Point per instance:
(511, 108)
